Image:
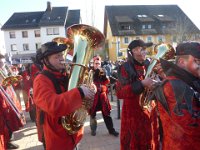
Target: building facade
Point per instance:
(151, 23)
(2, 44)
(25, 32)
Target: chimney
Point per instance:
(48, 6)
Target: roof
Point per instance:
(57, 16)
(135, 16)
(23, 20)
(73, 17)
(123, 19)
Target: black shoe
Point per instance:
(12, 146)
(93, 133)
(114, 133)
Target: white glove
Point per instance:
(89, 92)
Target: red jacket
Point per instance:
(4, 133)
(178, 133)
(101, 97)
(136, 132)
(56, 105)
(12, 120)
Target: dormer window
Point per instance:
(160, 15)
(142, 16)
(34, 20)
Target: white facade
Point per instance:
(30, 40)
(2, 44)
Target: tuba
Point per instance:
(164, 51)
(86, 40)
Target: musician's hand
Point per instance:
(148, 82)
(89, 91)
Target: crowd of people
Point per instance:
(168, 120)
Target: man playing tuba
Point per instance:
(53, 98)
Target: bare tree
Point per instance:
(185, 29)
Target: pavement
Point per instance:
(27, 138)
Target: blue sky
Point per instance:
(92, 10)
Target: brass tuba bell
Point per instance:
(86, 39)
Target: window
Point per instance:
(160, 15)
(125, 27)
(164, 26)
(160, 39)
(37, 33)
(52, 31)
(137, 37)
(126, 40)
(142, 16)
(146, 26)
(37, 45)
(13, 47)
(149, 26)
(25, 47)
(149, 39)
(24, 34)
(12, 35)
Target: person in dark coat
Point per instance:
(101, 101)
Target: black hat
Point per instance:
(188, 48)
(50, 48)
(141, 43)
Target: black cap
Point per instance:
(188, 48)
(50, 48)
(141, 43)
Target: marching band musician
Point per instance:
(9, 122)
(55, 100)
(135, 121)
(101, 101)
(178, 108)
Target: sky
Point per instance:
(92, 11)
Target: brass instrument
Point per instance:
(8, 81)
(9, 100)
(86, 40)
(164, 51)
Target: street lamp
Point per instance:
(118, 53)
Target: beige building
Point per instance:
(151, 23)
